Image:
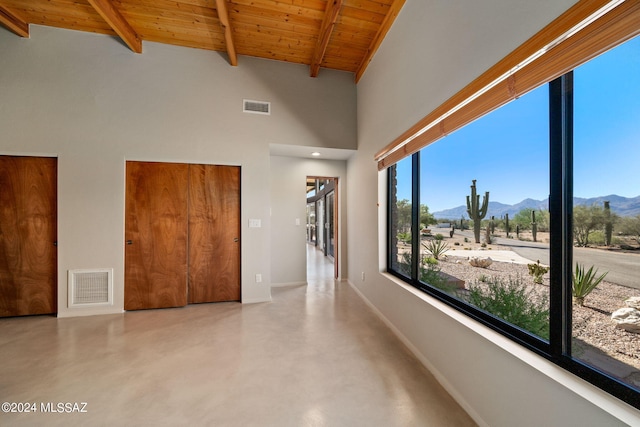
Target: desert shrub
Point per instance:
(522, 219)
(629, 226)
(404, 237)
(437, 248)
(513, 302)
(597, 238)
(430, 274)
(584, 282)
(438, 236)
(466, 240)
(537, 271)
(456, 244)
(587, 220)
(430, 260)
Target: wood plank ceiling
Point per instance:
(336, 34)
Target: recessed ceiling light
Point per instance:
(315, 154)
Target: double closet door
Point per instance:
(182, 234)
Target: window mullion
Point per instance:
(392, 217)
(561, 207)
(415, 215)
(567, 209)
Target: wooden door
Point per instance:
(214, 233)
(156, 235)
(28, 234)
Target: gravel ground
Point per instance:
(591, 323)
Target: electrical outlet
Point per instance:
(363, 276)
(258, 278)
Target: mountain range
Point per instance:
(623, 206)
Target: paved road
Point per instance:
(623, 268)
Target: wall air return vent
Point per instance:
(89, 288)
(256, 107)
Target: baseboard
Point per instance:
(86, 312)
(255, 300)
(286, 284)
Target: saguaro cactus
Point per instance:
(534, 225)
(608, 224)
(506, 223)
(475, 210)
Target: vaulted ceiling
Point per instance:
(336, 34)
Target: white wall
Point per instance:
(94, 104)
(433, 50)
(288, 202)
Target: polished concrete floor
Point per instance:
(315, 356)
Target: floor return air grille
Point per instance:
(90, 287)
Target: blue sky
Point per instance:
(507, 150)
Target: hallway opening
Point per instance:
(322, 223)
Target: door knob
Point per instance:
(235, 239)
(129, 242)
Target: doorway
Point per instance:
(322, 214)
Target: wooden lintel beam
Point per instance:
(118, 23)
(393, 12)
(223, 16)
(13, 22)
(328, 22)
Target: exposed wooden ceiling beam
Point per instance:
(13, 22)
(223, 16)
(393, 12)
(328, 22)
(118, 23)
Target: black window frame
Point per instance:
(558, 348)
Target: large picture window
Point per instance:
(528, 220)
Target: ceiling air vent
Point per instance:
(256, 107)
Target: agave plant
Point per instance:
(437, 248)
(584, 282)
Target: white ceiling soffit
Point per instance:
(304, 152)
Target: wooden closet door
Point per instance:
(28, 232)
(214, 233)
(156, 235)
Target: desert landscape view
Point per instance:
(596, 339)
